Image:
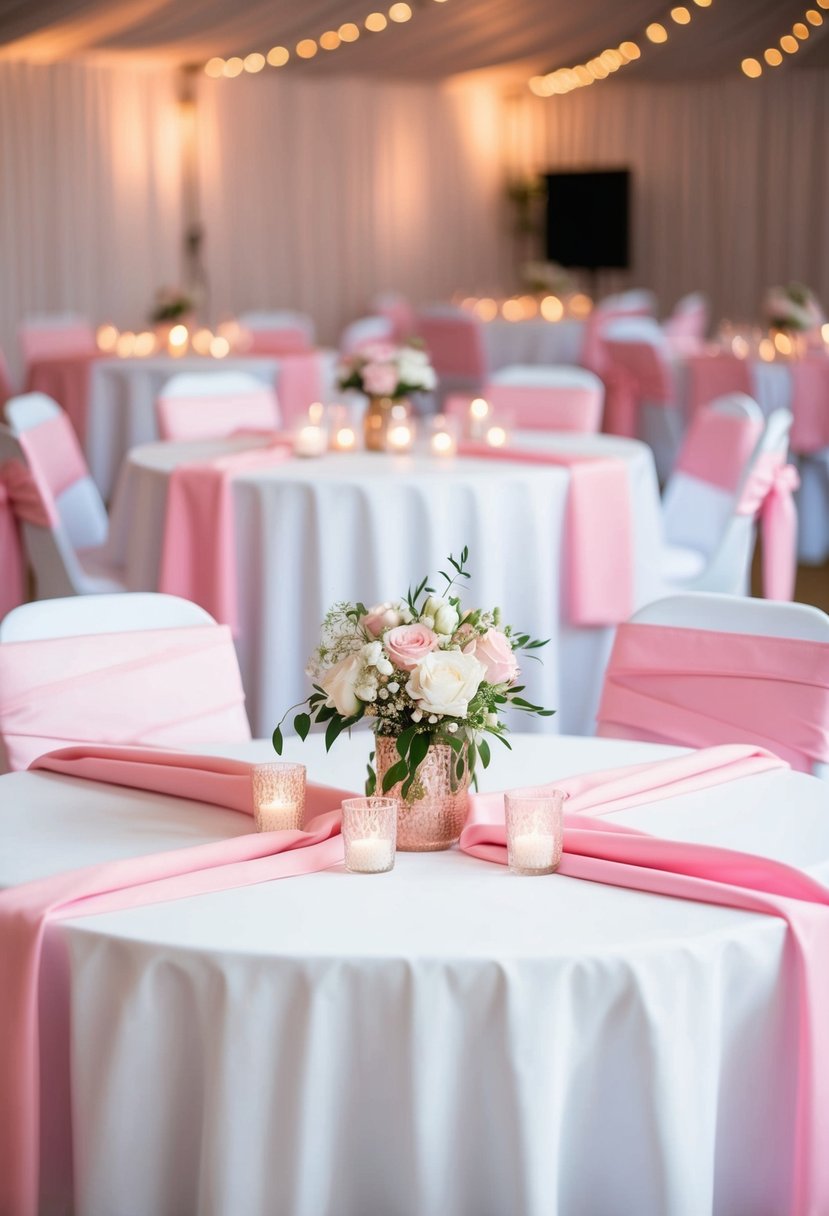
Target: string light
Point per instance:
(564, 80)
(331, 40)
(789, 42)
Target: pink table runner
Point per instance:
(594, 850)
(599, 544)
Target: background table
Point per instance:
(365, 526)
(532, 341)
(446, 1038)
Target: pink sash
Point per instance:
(768, 494)
(715, 375)
(287, 340)
(20, 501)
(635, 374)
(161, 687)
(599, 523)
(54, 455)
(718, 447)
(564, 408)
(455, 345)
(810, 405)
(66, 379)
(601, 852)
(298, 385)
(217, 416)
(198, 556)
(594, 850)
(699, 687)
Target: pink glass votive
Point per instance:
(535, 829)
(370, 834)
(278, 796)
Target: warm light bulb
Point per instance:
(512, 310)
(349, 32)
(612, 60)
(125, 345)
(783, 343)
(656, 32)
(254, 62)
(307, 48)
(278, 56)
(766, 350)
(106, 337)
(702, 3)
(752, 68)
(680, 15)
(823, 3)
(330, 40)
(582, 75)
(789, 44)
(581, 305)
(215, 67)
(400, 12)
(375, 22)
(486, 309)
(800, 30)
(773, 57)
(234, 66)
(144, 344)
(813, 17)
(552, 308)
(630, 50)
(178, 335)
(538, 85)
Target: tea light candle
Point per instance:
(443, 444)
(310, 441)
(178, 340)
(400, 437)
(371, 855)
(345, 439)
(534, 851)
(276, 816)
(496, 436)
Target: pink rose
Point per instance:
(379, 379)
(380, 617)
(496, 654)
(407, 644)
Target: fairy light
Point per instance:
(331, 40)
(789, 42)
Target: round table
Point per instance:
(533, 341)
(445, 1038)
(365, 527)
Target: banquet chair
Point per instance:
(641, 394)
(394, 306)
(547, 398)
(134, 669)
(278, 333)
(714, 375)
(704, 669)
(685, 328)
(709, 524)
(365, 330)
(215, 405)
(810, 444)
(455, 342)
(639, 303)
(67, 552)
(50, 337)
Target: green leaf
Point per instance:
(397, 772)
(404, 740)
(417, 753)
(371, 781)
(460, 767)
(302, 724)
(325, 713)
(335, 727)
(277, 741)
(483, 752)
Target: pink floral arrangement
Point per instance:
(423, 670)
(380, 369)
(794, 307)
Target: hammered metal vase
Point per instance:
(381, 413)
(433, 815)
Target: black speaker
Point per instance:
(588, 218)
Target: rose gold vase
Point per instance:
(381, 413)
(433, 815)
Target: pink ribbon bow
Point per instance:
(768, 494)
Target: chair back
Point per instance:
(716, 453)
(810, 405)
(215, 405)
(636, 346)
(711, 376)
(548, 398)
(612, 308)
(277, 333)
(685, 328)
(702, 669)
(367, 329)
(395, 308)
(59, 467)
(455, 342)
(147, 670)
(50, 337)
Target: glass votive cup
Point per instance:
(498, 429)
(535, 830)
(370, 834)
(278, 796)
(443, 435)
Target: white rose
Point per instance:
(340, 685)
(445, 618)
(445, 681)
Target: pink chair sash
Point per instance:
(700, 687)
(717, 448)
(594, 850)
(20, 501)
(287, 340)
(636, 373)
(596, 592)
(54, 455)
(715, 375)
(768, 494)
(55, 341)
(455, 345)
(299, 384)
(66, 379)
(810, 405)
(567, 408)
(162, 687)
(217, 416)
(198, 556)
(685, 329)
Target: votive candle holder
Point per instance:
(370, 834)
(535, 829)
(278, 796)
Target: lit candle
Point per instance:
(534, 851)
(496, 436)
(400, 437)
(107, 337)
(478, 413)
(766, 350)
(443, 444)
(739, 346)
(177, 340)
(277, 816)
(310, 441)
(372, 855)
(315, 413)
(345, 439)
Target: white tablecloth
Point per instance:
(122, 395)
(535, 341)
(446, 1038)
(366, 527)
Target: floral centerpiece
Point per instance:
(794, 308)
(171, 306)
(434, 681)
(387, 374)
(542, 278)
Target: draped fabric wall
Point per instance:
(731, 177)
(89, 192)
